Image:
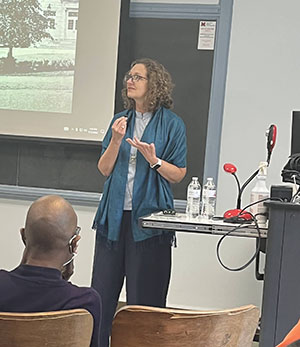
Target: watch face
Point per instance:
(156, 166)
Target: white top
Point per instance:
(141, 121)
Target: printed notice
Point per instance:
(207, 33)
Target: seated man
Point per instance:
(39, 283)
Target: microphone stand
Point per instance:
(239, 198)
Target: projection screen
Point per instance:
(58, 64)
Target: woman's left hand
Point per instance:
(146, 149)
(169, 171)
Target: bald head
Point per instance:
(51, 221)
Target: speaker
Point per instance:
(282, 192)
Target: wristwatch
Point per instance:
(156, 165)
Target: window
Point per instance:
(51, 23)
(49, 13)
(70, 24)
(73, 14)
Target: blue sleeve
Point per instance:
(107, 137)
(177, 150)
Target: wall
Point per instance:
(205, 2)
(262, 88)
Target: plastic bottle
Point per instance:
(193, 198)
(209, 195)
(260, 191)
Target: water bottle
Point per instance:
(193, 198)
(208, 199)
(260, 191)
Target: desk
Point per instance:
(180, 222)
(281, 293)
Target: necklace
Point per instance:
(132, 158)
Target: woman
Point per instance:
(143, 152)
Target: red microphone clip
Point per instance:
(230, 168)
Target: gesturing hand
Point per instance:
(119, 129)
(146, 149)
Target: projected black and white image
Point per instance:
(37, 54)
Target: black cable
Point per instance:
(297, 192)
(253, 256)
(260, 214)
(256, 202)
(238, 202)
(238, 227)
(239, 198)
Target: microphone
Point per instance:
(235, 215)
(271, 134)
(230, 168)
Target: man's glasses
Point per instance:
(134, 78)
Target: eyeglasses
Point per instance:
(77, 231)
(134, 78)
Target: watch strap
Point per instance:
(156, 165)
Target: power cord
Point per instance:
(238, 227)
(296, 194)
(253, 256)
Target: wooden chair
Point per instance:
(52, 329)
(141, 326)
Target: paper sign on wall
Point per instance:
(207, 33)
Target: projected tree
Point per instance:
(22, 24)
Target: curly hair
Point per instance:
(160, 86)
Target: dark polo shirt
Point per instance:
(37, 289)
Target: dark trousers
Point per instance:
(147, 271)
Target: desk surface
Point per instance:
(180, 222)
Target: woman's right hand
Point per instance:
(107, 160)
(119, 129)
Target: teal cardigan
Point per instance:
(151, 192)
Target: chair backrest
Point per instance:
(52, 329)
(135, 326)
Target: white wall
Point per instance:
(202, 2)
(262, 88)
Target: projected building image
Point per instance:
(37, 54)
